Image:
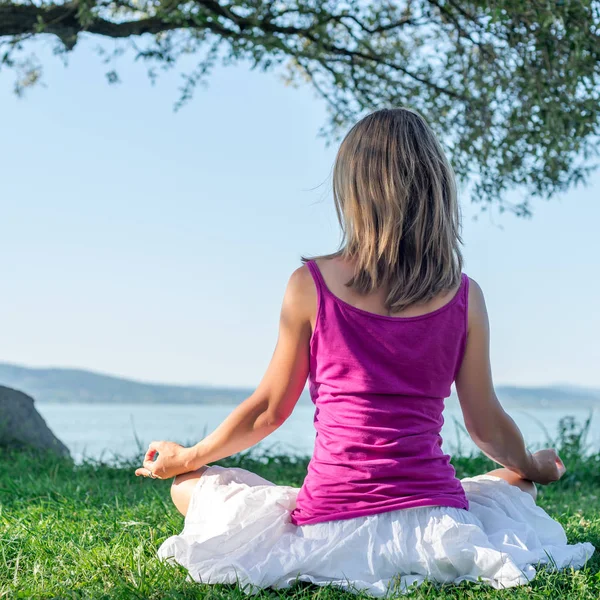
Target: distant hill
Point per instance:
(75, 385)
(568, 396)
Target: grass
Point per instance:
(92, 530)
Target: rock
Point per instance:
(22, 425)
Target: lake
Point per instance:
(103, 431)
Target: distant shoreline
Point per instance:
(77, 386)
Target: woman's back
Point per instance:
(380, 333)
(379, 383)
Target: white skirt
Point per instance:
(238, 530)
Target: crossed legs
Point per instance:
(182, 488)
(183, 485)
(514, 479)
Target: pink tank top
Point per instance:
(378, 384)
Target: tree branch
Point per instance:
(20, 19)
(62, 21)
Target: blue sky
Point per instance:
(157, 245)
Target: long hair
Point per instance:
(396, 201)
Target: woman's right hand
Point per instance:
(546, 466)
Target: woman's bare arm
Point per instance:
(278, 392)
(268, 407)
(490, 427)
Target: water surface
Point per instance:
(105, 430)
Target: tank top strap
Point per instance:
(459, 303)
(465, 298)
(463, 306)
(318, 279)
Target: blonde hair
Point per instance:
(396, 202)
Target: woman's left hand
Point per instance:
(173, 459)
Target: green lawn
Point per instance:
(91, 531)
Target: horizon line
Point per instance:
(249, 387)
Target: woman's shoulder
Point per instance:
(301, 280)
(300, 290)
(330, 267)
(477, 310)
(476, 297)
